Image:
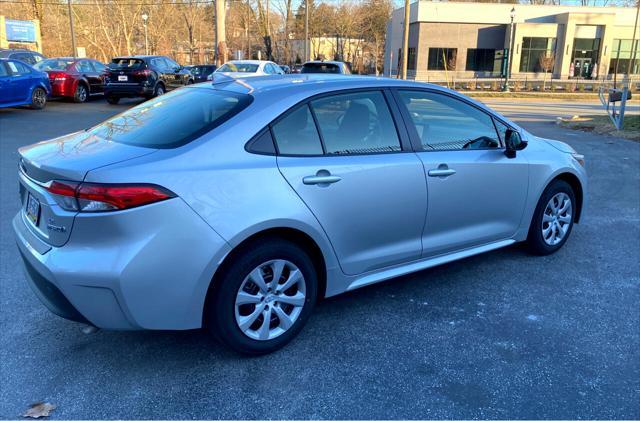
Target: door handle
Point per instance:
(321, 179)
(441, 171)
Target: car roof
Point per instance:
(338, 63)
(309, 84)
(250, 61)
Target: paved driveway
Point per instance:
(500, 335)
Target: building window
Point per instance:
(442, 58)
(538, 54)
(483, 60)
(622, 54)
(411, 59)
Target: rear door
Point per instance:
(355, 171)
(476, 194)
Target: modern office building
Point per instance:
(469, 40)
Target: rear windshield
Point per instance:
(174, 119)
(126, 63)
(53, 64)
(239, 67)
(320, 68)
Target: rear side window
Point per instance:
(296, 134)
(173, 119)
(3, 70)
(356, 123)
(18, 68)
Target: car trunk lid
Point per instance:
(67, 158)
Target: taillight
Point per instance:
(58, 76)
(95, 197)
(145, 73)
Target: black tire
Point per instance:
(112, 99)
(81, 94)
(159, 90)
(535, 241)
(38, 98)
(220, 312)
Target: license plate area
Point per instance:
(33, 209)
(122, 78)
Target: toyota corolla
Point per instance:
(236, 205)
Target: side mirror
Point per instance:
(513, 142)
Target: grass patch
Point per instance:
(602, 124)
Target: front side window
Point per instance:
(296, 134)
(99, 67)
(444, 123)
(356, 123)
(538, 54)
(3, 70)
(442, 59)
(173, 119)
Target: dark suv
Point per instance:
(143, 76)
(28, 56)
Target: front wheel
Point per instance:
(263, 298)
(553, 219)
(38, 99)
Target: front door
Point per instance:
(476, 195)
(351, 171)
(582, 68)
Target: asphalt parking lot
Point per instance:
(499, 335)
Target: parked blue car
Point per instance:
(21, 84)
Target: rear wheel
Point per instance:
(38, 99)
(159, 90)
(553, 219)
(263, 298)
(81, 94)
(112, 99)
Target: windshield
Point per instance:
(320, 68)
(53, 64)
(239, 67)
(173, 119)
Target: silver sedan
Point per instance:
(236, 205)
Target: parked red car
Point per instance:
(74, 78)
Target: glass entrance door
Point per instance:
(582, 68)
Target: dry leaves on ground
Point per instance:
(39, 409)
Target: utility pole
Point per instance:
(306, 30)
(220, 39)
(73, 32)
(633, 41)
(405, 40)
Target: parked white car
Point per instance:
(245, 68)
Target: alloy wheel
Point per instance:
(556, 219)
(270, 300)
(82, 93)
(39, 98)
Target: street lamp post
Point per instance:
(505, 88)
(146, 38)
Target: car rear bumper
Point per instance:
(126, 270)
(127, 90)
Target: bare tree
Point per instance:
(546, 62)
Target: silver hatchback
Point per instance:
(237, 204)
